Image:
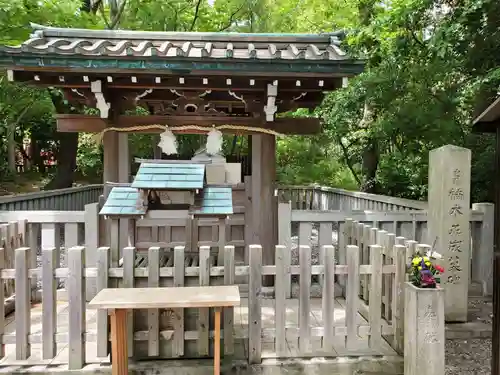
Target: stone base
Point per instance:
(424, 331)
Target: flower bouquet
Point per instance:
(424, 273)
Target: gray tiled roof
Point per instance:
(170, 176)
(216, 201)
(111, 43)
(123, 201)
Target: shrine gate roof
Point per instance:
(121, 49)
(182, 79)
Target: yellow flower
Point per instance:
(416, 261)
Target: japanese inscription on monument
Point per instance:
(448, 223)
(455, 242)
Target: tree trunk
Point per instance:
(11, 148)
(66, 162)
(370, 166)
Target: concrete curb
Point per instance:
(469, 330)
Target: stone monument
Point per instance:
(448, 223)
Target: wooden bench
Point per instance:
(118, 301)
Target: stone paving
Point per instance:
(468, 348)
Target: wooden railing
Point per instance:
(317, 197)
(71, 199)
(411, 225)
(12, 236)
(302, 197)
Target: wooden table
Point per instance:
(118, 301)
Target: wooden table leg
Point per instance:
(119, 351)
(217, 342)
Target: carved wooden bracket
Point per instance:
(102, 105)
(194, 105)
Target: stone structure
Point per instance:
(482, 256)
(448, 225)
(424, 331)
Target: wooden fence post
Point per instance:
(328, 297)
(102, 315)
(49, 300)
(32, 243)
(352, 292)
(282, 274)
(76, 296)
(341, 245)
(255, 305)
(304, 299)
(203, 316)
(285, 237)
(179, 273)
(482, 256)
(128, 282)
(153, 314)
(23, 304)
(91, 218)
(398, 314)
(229, 273)
(375, 311)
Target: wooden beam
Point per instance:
(215, 82)
(94, 124)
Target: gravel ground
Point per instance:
(472, 356)
(315, 287)
(468, 357)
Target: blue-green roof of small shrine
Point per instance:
(216, 201)
(123, 201)
(123, 49)
(126, 201)
(170, 176)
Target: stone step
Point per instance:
(475, 289)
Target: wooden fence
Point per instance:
(408, 224)
(316, 197)
(188, 333)
(312, 197)
(12, 236)
(58, 229)
(70, 199)
(187, 336)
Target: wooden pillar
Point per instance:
(110, 172)
(110, 146)
(156, 150)
(124, 176)
(264, 229)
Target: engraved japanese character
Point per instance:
(454, 264)
(456, 194)
(430, 338)
(455, 230)
(455, 210)
(429, 313)
(453, 279)
(457, 176)
(455, 246)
